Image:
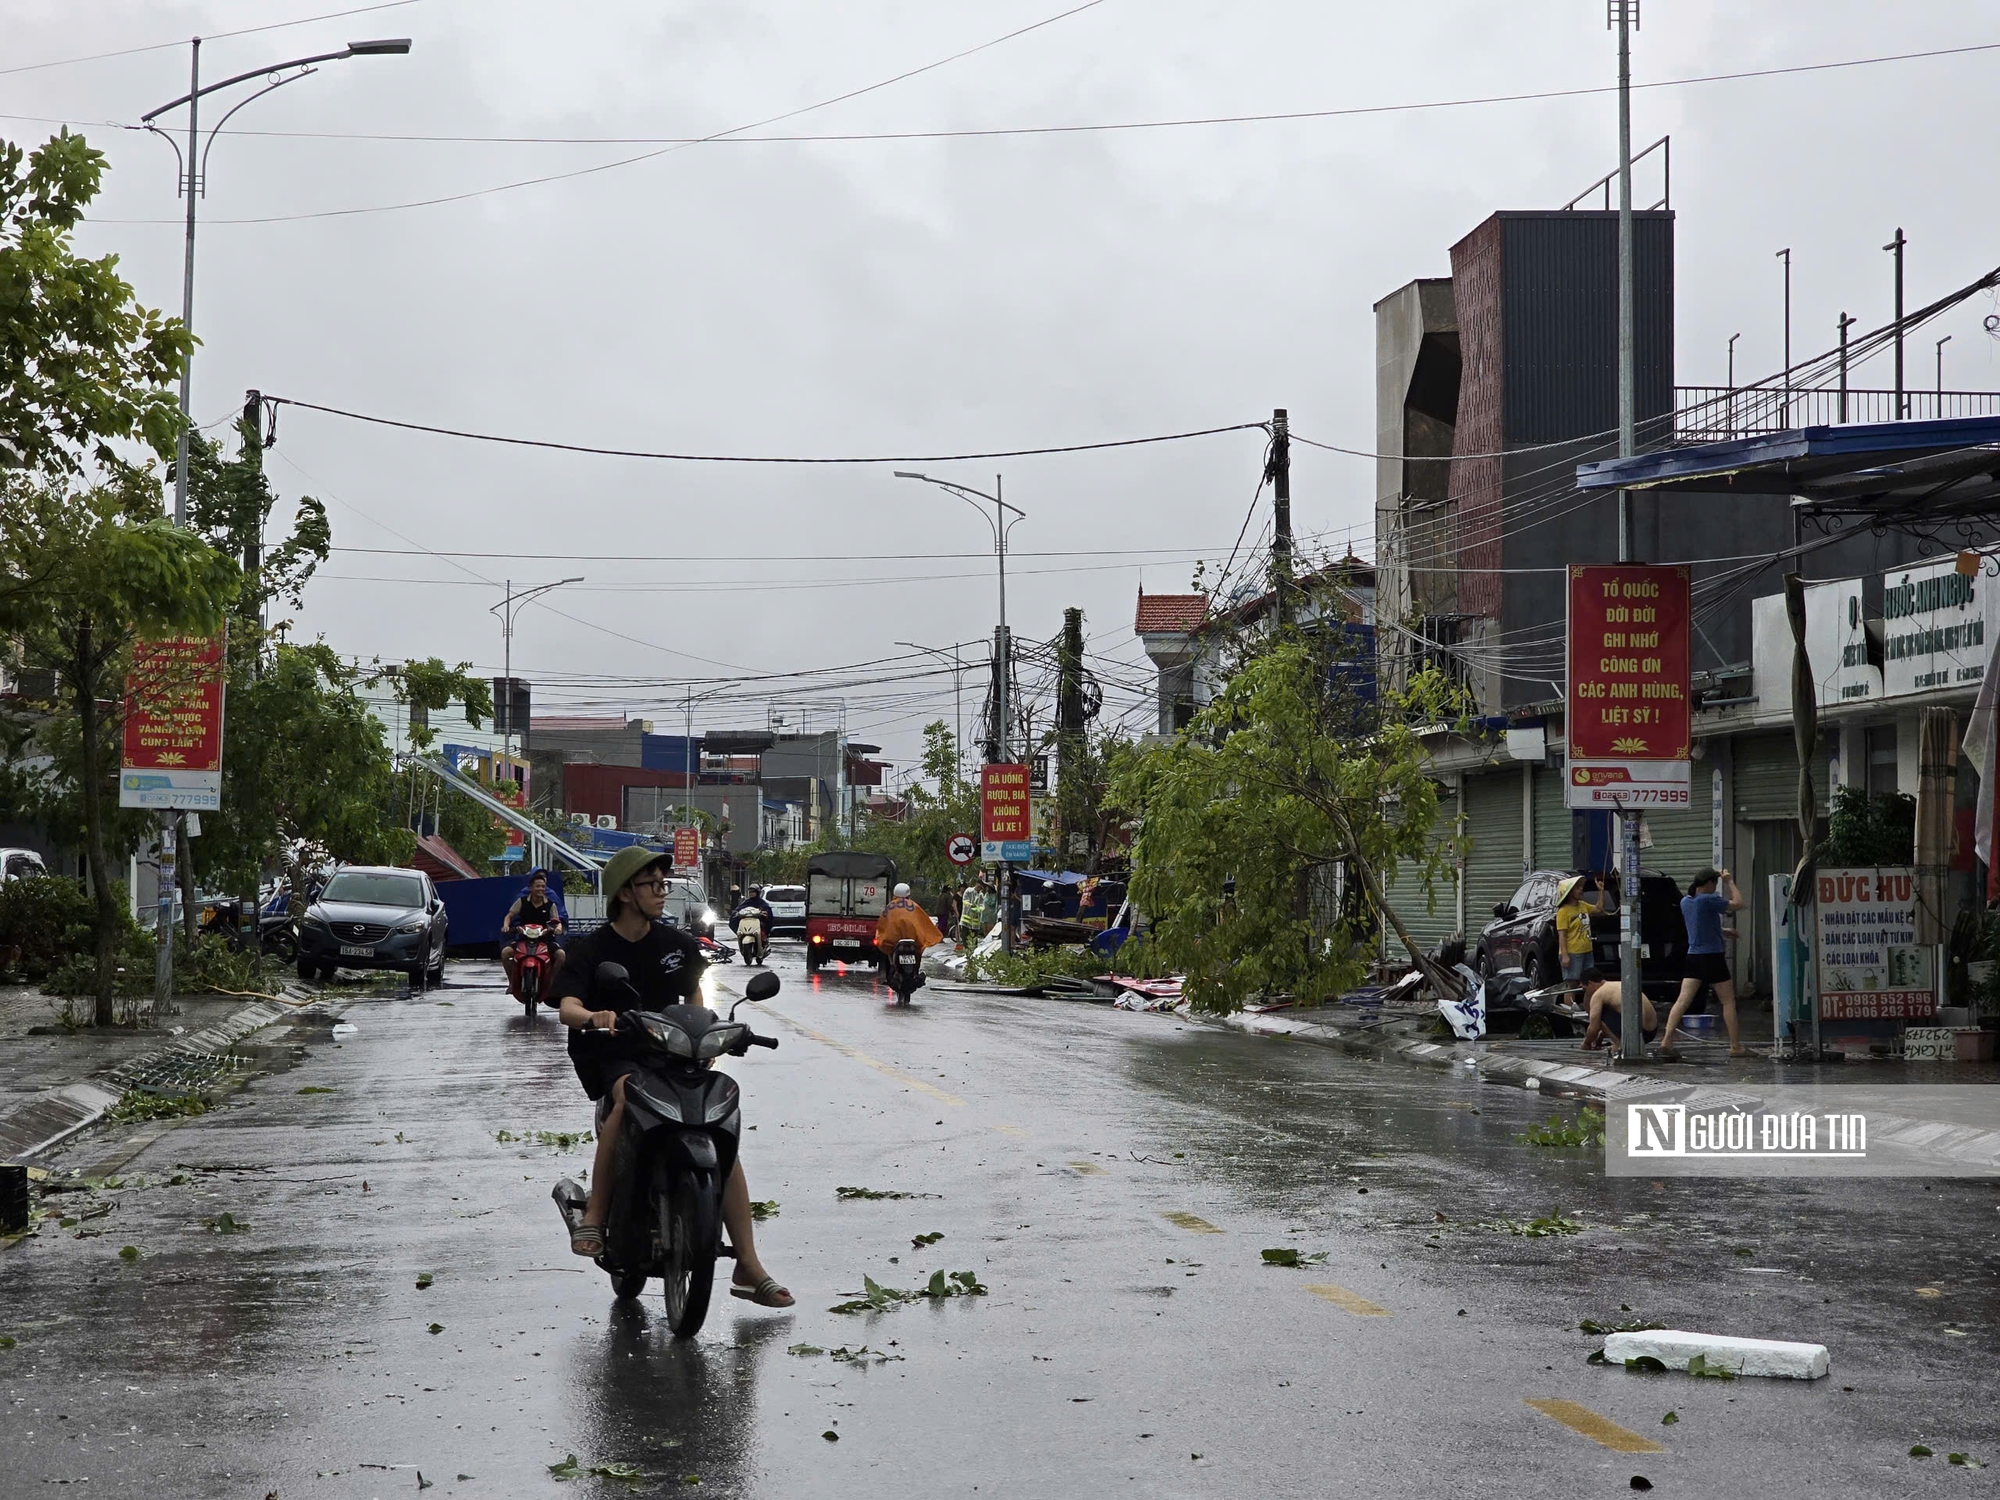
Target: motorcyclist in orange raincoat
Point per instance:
(903, 918)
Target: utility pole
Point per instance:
(1786, 255)
(1279, 472)
(1732, 380)
(1940, 375)
(1069, 719)
(1845, 323)
(1625, 15)
(1895, 247)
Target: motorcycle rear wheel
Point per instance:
(690, 1227)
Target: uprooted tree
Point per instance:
(1245, 818)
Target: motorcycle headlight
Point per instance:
(707, 917)
(669, 1036)
(719, 1039)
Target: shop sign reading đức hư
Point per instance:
(1629, 716)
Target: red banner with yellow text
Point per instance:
(173, 725)
(1630, 715)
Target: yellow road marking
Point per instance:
(1014, 1130)
(1342, 1298)
(1600, 1430)
(1087, 1168)
(1193, 1223)
(879, 1066)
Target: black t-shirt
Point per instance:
(527, 913)
(666, 967)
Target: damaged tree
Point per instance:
(1246, 816)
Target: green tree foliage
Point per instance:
(1245, 816)
(1864, 830)
(105, 568)
(931, 815)
(82, 365)
(306, 776)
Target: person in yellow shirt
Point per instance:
(1573, 940)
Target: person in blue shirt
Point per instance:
(1702, 909)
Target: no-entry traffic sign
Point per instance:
(960, 848)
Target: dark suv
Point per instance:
(1522, 935)
(375, 917)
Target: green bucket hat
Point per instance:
(627, 863)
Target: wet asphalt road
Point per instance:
(1120, 1350)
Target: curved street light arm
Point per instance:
(247, 99)
(352, 49)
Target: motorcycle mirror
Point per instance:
(612, 974)
(761, 987)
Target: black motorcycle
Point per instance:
(682, 1125)
(906, 969)
(223, 917)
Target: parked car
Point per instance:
(20, 864)
(788, 910)
(375, 917)
(1522, 935)
(687, 906)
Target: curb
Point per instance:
(54, 1115)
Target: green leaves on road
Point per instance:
(137, 1106)
(850, 1194)
(437, 1328)
(1288, 1255)
(314, 1088)
(1633, 1325)
(878, 1298)
(227, 1223)
(922, 1240)
(763, 1209)
(1700, 1366)
(130, 1252)
(569, 1468)
(560, 1140)
(1542, 1228)
(1586, 1130)
(423, 1280)
(1670, 1419)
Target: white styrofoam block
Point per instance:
(1767, 1357)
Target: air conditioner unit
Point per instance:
(605, 820)
(581, 820)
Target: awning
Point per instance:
(1936, 469)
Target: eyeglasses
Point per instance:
(647, 885)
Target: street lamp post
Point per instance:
(1940, 375)
(192, 181)
(506, 609)
(1000, 526)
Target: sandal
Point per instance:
(766, 1293)
(587, 1239)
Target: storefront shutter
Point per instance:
(1493, 827)
(1432, 926)
(1767, 776)
(1554, 838)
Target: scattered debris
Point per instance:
(423, 1280)
(561, 1140)
(1635, 1325)
(569, 1468)
(766, 1209)
(1542, 1228)
(1586, 1130)
(1670, 1419)
(136, 1105)
(1641, 1482)
(227, 1223)
(830, 1435)
(129, 1252)
(857, 1356)
(872, 1194)
(1287, 1255)
(919, 1241)
(805, 1351)
(314, 1088)
(437, 1328)
(1918, 1450)
(878, 1298)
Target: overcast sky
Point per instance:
(934, 296)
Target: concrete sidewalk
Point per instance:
(55, 1083)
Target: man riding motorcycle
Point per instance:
(533, 908)
(665, 966)
(903, 918)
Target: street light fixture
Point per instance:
(192, 178)
(506, 609)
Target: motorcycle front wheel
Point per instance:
(690, 1226)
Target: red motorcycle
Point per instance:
(534, 958)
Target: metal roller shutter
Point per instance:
(1681, 840)
(1767, 777)
(1493, 829)
(1428, 927)
(1554, 838)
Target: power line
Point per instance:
(670, 149)
(1174, 554)
(213, 36)
(738, 458)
